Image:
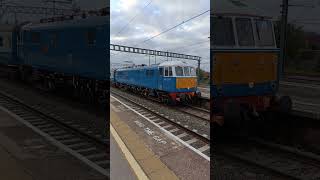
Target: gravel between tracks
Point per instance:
(192, 123)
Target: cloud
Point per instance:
(155, 18)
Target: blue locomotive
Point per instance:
(245, 69)
(170, 81)
(62, 51)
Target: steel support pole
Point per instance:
(198, 71)
(283, 38)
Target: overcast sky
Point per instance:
(158, 16)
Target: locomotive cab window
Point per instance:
(168, 71)
(161, 71)
(179, 71)
(186, 71)
(223, 34)
(91, 37)
(192, 71)
(245, 32)
(264, 30)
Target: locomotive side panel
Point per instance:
(79, 50)
(145, 78)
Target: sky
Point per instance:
(190, 38)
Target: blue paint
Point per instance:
(139, 77)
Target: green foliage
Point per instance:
(295, 39)
(203, 77)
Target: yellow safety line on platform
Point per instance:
(131, 160)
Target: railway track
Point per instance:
(193, 111)
(276, 159)
(200, 113)
(82, 142)
(197, 142)
(305, 79)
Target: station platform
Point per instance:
(24, 154)
(150, 153)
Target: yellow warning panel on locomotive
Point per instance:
(186, 82)
(243, 67)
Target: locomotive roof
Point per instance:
(242, 15)
(138, 67)
(166, 63)
(73, 23)
(174, 63)
(238, 8)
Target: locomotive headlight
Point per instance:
(273, 85)
(251, 84)
(219, 89)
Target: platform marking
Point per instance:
(169, 133)
(150, 132)
(57, 143)
(131, 160)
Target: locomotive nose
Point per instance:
(186, 82)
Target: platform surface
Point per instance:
(119, 168)
(159, 156)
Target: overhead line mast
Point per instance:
(128, 49)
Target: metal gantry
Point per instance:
(136, 50)
(33, 10)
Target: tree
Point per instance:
(295, 40)
(203, 76)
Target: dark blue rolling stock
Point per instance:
(73, 47)
(68, 52)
